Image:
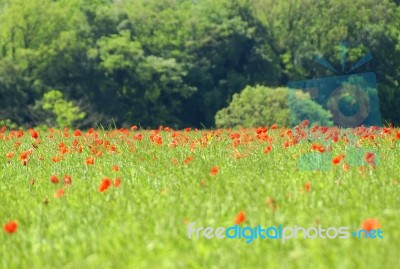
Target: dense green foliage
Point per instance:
(255, 106)
(260, 106)
(65, 112)
(178, 62)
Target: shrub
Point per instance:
(261, 106)
(64, 111)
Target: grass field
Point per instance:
(169, 179)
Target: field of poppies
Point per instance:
(123, 198)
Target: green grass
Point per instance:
(143, 223)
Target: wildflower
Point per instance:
(370, 158)
(304, 123)
(370, 224)
(54, 179)
(188, 160)
(214, 170)
(10, 155)
(105, 184)
(59, 193)
(67, 180)
(267, 149)
(34, 134)
(240, 217)
(317, 147)
(77, 132)
(89, 161)
(117, 182)
(115, 168)
(157, 139)
(138, 137)
(24, 155)
(63, 150)
(11, 227)
(307, 186)
(336, 160)
(55, 159)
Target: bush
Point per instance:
(64, 111)
(261, 106)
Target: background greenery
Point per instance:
(176, 62)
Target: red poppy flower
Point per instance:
(370, 158)
(157, 139)
(89, 161)
(317, 147)
(138, 137)
(304, 123)
(307, 186)
(10, 155)
(370, 224)
(240, 217)
(67, 180)
(267, 149)
(34, 134)
(24, 155)
(214, 170)
(117, 182)
(115, 168)
(54, 179)
(59, 193)
(188, 160)
(105, 184)
(336, 160)
(11, 227)
(77, 132)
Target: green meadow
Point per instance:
(169, 179)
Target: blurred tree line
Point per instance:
(177, 62)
